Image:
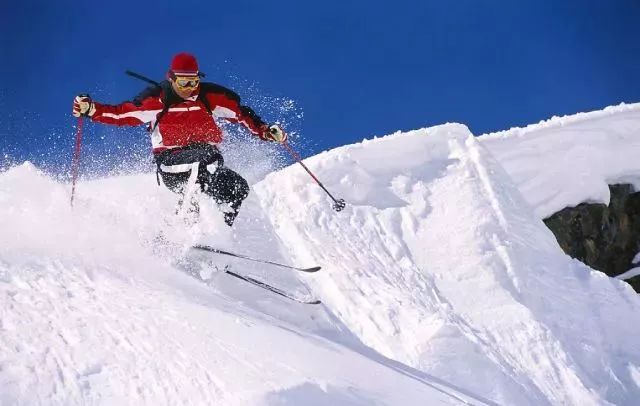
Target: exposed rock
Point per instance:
(606, 238)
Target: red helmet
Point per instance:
(184, 64)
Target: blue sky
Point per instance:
(353, 69)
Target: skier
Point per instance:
(180, 113)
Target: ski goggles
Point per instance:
(186, 82)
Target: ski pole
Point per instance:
(338, 204)
(143, 78)
(75, 164)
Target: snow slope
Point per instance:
(439, 262)
(565, 161)
(89, 315)
(440, 285)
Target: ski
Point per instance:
(270, 288)
(208, 248)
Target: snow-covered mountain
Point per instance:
(440, 283)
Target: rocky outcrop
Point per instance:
(606, 238)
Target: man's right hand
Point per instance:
(274, 133)
(83, 106)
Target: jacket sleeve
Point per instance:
(226, 105)
(128, 113)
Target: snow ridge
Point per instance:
(451, 244)
(565, 161)
(557, 122)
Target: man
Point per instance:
(181, 114)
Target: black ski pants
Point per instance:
(213, 178)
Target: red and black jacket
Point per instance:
(175, 122)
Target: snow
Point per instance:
(635, 373)
(90, 316)
(440, 283)
(629, 274)
(569, 160)
(460, 277)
